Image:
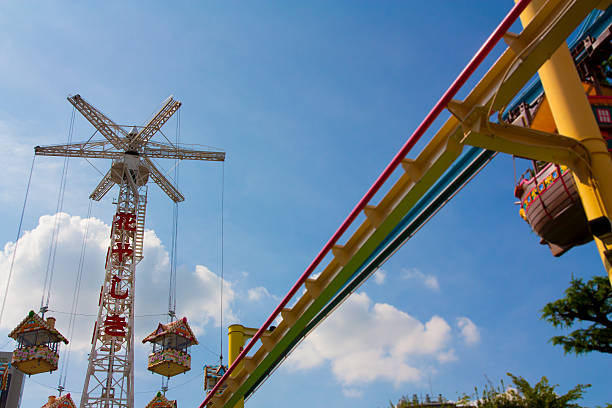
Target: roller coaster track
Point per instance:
(462, 171)
(425, 184)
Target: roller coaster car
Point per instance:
(38, 342)
(548, 196)
(551, 206)
(171, 344)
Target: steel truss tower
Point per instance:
(109, 381)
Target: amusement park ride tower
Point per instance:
(109, 381)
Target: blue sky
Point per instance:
(310, 101)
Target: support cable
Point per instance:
(10, 274)
(164, 384)
(44, 305)
(173, 249)
(61, 386)
(222, 250)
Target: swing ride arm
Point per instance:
(164, 151)
(103, 187)
(91, 150)
(102, 123)
(104, 150)
(169, 108)
(163, 182)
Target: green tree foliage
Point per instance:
(522, 395)
(583, 302)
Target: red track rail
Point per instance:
(482, 53)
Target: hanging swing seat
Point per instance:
(212, 375)
(38, 342)
(161, 401)
(64, 401)
(551, 205)
(169, 362)
(171, 344)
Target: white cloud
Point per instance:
(469, 331)
(447, 356)
(199, 297)
(429, 281)
(352, 392)
(26, 286)
(365, 341)
(380, 276)
(259, 293)
(198, 290)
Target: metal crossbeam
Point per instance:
(169, 152)
(103, 187)
(169, 107)
(103, 124)
(163, 182)
(92, 150)
(528, 143)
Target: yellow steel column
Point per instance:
(236, 340)
(574, 118)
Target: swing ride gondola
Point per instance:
(212, 375)
(37, 344)
(64, 401)
(160, 401)
(171, 344)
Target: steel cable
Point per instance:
(75, 301)
(44, 305)
(10, 274)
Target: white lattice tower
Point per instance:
(109, 380)
(110, 375)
